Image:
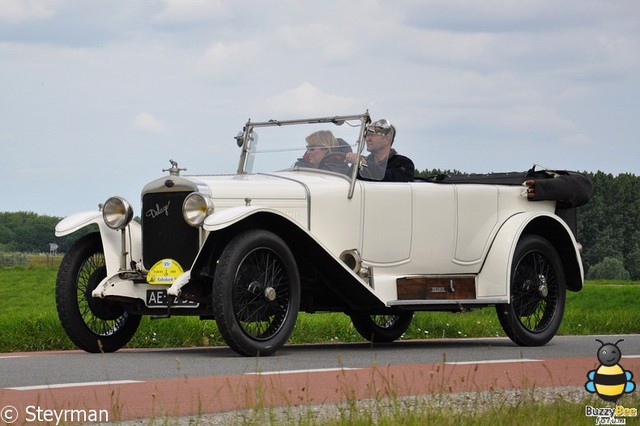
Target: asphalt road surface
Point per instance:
(142, 382)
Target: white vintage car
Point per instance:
(254, 248)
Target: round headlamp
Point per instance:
(117, 213)
(196, 208)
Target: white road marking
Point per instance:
(73, 385)
(313, 370)
(13, 356)
(494, 361)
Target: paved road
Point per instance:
(47, 368)
(183, 381)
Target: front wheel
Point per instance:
(95, 325)
(536, 305)
(382, 328)
(256, 293)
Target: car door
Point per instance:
(477, 216)
(387, 222)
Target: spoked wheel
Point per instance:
(382, 328)
(95, 325)
(256, 293)
(537, 293)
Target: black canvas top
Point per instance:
(572, 189)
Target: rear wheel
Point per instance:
(382, 328)
(95, 325)
(536, 306)
(256, 293)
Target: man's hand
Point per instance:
(352, 158)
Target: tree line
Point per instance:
(29, 232)
(608, 227)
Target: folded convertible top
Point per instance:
(568, 188)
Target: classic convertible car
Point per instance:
(281, 235)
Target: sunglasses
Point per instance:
(314, 148)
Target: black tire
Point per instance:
(382, 328)
(537, 300)
(95, 325)
(256, 293)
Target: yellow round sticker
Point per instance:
(164, 271)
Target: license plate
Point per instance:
(160, 297)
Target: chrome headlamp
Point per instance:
(117, 213)
(196, 208)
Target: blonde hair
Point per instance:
(323, 139)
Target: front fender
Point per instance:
(495, 277)
(310, 253)
(77, 221)
(228, 217)
(111, 239)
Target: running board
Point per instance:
(442, 303)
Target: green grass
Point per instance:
(29, 320)
(479, 410)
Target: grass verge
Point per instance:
(557, 406)
(29, 321)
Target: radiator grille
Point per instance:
(165, 234)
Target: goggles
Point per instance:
(380, 128)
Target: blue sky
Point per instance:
(97, 96)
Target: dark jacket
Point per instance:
(398, 169)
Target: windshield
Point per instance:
(322, 144)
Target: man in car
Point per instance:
(383, 163)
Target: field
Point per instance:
(29, 320)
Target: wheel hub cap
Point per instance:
(543, 288)
(270, 294)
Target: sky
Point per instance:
(97, 96)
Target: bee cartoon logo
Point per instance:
(609, 381)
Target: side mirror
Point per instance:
(238, 139)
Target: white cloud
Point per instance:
(322, 41)
(308, 99)
(16, 11)
(578, 140)
(535, 119)
(448, 48)
(147, 122)
(190, 11)
(574, 93)
(228, 58)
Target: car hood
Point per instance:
(280, 185)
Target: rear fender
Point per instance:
(494, 279)
(111, 239)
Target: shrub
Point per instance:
(610, 268)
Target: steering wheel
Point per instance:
(334, 162)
